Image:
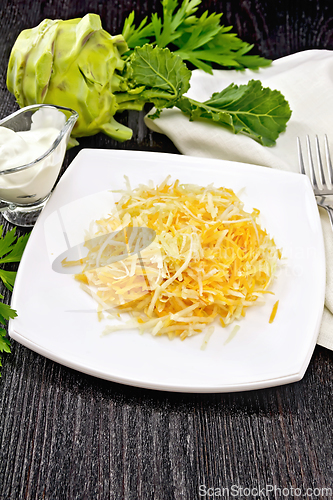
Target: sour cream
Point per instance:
(21, 148)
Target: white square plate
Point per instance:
(58, 320)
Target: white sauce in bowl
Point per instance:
(21, 148)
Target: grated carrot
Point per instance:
(273, 313)
(210, 259)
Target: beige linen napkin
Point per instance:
(306, 81)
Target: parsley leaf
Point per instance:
(8, 278)
(4, 344)
(201, 41)
(11, 250)
(137, 36)
(6, 312)
(258, 112)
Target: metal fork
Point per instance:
(322, 182)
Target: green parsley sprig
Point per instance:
(202, 41)
(11, 250)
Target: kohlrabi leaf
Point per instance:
(162, 75)
(258, 112)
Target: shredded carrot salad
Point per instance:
(210, 259)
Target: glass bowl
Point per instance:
(25, 189)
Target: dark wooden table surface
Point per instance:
(66, 435)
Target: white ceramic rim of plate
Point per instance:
(88, 155)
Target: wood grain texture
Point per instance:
(65, 435)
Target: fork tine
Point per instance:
(328, 161)
(313, 176)
(300, 156)
(320, 163)
(320, 177)
(324, 193)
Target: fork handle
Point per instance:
(329, 210)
